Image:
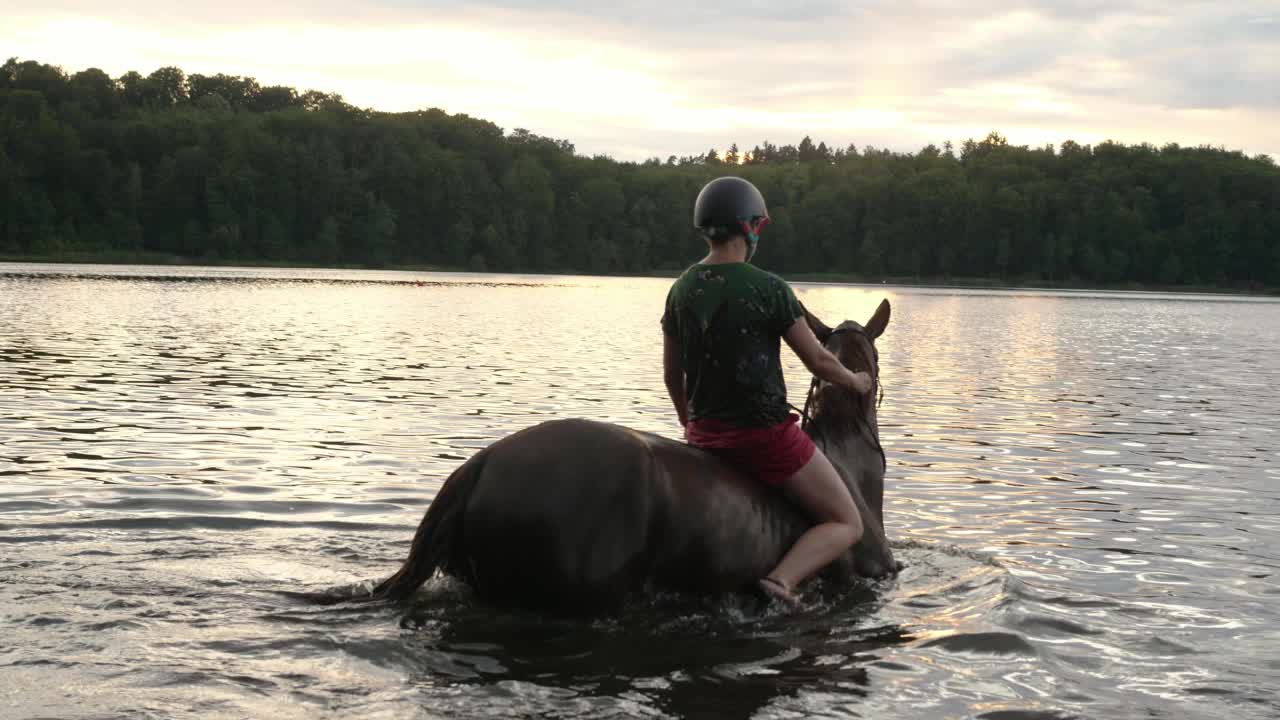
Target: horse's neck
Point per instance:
(856, 455)
(846, 450)
(851, 440)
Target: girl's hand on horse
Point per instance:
(859, 382)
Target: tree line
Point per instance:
(222, 168)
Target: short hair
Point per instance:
(721, 234)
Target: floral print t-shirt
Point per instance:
(729, 320)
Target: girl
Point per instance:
(723, 322)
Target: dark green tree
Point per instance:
(220, 167)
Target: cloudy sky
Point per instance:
(640, 79)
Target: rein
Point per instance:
(862, 427)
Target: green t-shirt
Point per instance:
(729, 320)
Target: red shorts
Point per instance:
(771, 454)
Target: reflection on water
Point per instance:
(1083, 486)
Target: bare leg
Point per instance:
(817, 488)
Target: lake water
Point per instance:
(1084, 487)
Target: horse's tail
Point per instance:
(437, 537)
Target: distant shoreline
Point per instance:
(163, 260)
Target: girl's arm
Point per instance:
(820, 361)
(673, 376)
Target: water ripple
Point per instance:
(1082, 487)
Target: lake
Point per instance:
(1084, 488)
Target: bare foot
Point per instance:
(776, 590)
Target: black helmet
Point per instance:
(731, 204)
(728, 202)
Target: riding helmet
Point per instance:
(727, 202)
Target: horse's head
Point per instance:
(843, 423)
(855, 346)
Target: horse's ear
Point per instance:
(876, 325)
(818, 327)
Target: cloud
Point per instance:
(634, 79)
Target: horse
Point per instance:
(575, 516)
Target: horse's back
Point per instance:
(563, 515)
(575, 515)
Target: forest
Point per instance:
(215, 169)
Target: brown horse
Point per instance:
(574, 516)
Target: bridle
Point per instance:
(807, 420)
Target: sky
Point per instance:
(635, 80)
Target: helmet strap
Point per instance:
(752, 230)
